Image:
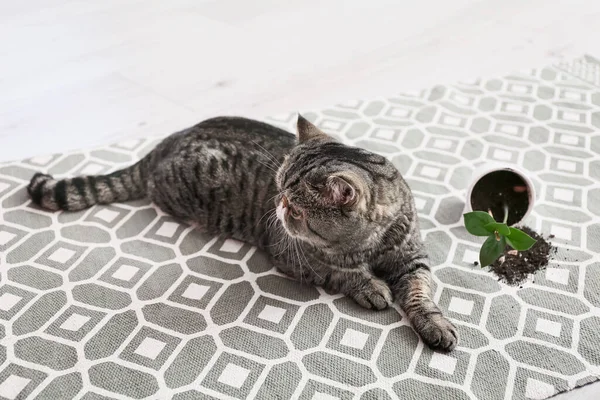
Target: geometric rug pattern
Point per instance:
(125, 302)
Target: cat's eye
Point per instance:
(311, 186)
(295, 213)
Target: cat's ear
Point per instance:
(340, 191)
(308, 131)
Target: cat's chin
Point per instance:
(313, 242)
(293, 235)
(281, 212)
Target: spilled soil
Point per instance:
(514, 267)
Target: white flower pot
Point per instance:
(488, 169)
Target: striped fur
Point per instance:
(414, 291)
(84, 191)
(327, 213)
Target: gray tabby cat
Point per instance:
(329, 214)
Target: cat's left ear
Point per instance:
(340, 190)
(307, 131)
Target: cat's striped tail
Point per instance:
(81, 192)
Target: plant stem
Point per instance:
(505, 213)
(495, 232)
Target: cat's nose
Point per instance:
(282, 209)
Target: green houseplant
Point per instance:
(499, 235)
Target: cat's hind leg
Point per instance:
(174, 191)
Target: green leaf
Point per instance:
(476, 221)
(497, 227)
(491, 250)
(519, 240)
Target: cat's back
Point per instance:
(240, 128)
(220, 173)
(246, 134)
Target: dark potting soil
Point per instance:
(515, 268)
(496, 189)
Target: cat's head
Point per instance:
(335, 196)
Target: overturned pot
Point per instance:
(501, 190)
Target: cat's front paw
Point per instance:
(374, 294)
(437, 332)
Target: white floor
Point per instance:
(75, 73)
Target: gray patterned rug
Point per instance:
(124, 302)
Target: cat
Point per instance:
(328, 214)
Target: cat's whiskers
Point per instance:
(272, 212)
(301, 251)
(272, 197)
(290, 252)
(298, 256)
(267, 165)
(270, 227)
(284, 238)
(272, 223)
(276, 244)
(268, 154)
(270, 161)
